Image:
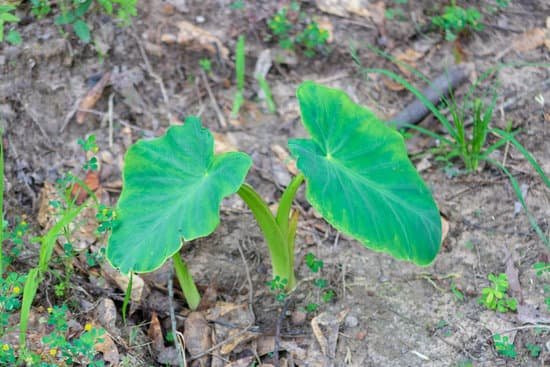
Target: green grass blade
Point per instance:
(238, 100)
(525, 153)
(47, 242)
(517, 190)
(29, 291)
(240, 62)
(127, 297)
(430, 134)
(418, 94)
(267, 93)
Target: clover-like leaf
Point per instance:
(360, 179)
(173, 188)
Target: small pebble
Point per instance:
(200, 19)
(351, 321)
(360, 335)
(298, 318)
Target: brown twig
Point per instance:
(249, 280)
(221, 118)
(280, 319)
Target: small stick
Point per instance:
(221, 118)
(249, 280)
(181, 360)
(276, 361)
(111, 120)
(153, 74)
(416, 111)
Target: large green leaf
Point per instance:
(359, 177)
(173, 188)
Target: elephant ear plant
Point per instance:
(357, 174)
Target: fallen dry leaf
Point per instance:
(409, 57)
(106, 315)
(325, 24)
(529, 40)
(109, 350)
(197, 335)
(139, 289)
(91, 181)
(197, 38)
(391, 85)
(325, 329)
(285, 158)
(91, 98)
(223, 143)
(155, 333)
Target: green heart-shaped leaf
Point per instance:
(360, 179)
(173, 188)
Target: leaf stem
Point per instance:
(280, 248)
(187, 284)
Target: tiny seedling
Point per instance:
(494, 297)
(503, 346)
(456, 21)
(358, 175)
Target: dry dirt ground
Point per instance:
(386, 312)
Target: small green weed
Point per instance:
(286, 27)
(456, 21)
(396, 12)
(534, 350)
(503, 346)
(278, 286)
(313, 263)
(70, 13)
(206, 65)
(60, 349)
(11, 291)
(459, 296)
(323, 294)
(494, 297)
(7, 16)
(67, 210)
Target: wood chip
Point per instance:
(197, 38)
(91, 98)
